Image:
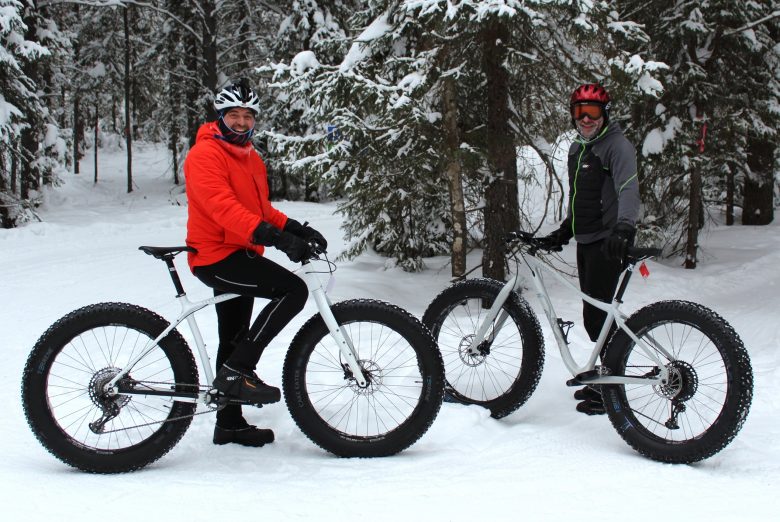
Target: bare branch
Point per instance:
(751, 25)
(123, 3)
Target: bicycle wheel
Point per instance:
(707, 399)
(62, 388)
(405, 381)
(506, 371)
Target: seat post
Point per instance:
(624, 283)
(174, 275)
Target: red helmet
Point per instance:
(590, 92)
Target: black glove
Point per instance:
(616, 246)
(296, 248)
(268, 235)
(306, 233)
(556, 239)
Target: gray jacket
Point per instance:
(603, 185)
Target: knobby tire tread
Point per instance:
(55, 339)
(327, 437)
(739, 394)
(527, 323)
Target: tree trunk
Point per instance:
(758, 208)
(78, 122)
(128, 113)
(192, 90)
(97, 125)
(501, 207)
(78, 131)
(210, 55)
(692, 245)
(454, 175)
(30, 174)
(14, 169)
(730, 198)
(174, 99)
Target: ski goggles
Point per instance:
(592, 110)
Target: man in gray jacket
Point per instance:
(603, 210)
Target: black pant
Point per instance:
(250, 275)
(598, 279)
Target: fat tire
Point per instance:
(723, 346)
(385, 319)
(35, 388)
(525, 346)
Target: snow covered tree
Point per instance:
(319, 26)
(436, 91)
(32, 146)
(718, 109)
(372, 136)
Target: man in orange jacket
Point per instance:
(230, 222)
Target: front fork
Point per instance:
(496, 313)
(343, 341)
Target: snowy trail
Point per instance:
(543, 462)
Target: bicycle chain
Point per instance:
(180, 417)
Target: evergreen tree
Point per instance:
(318, 26)
(717, 107)
(387, 99)
(32, 147)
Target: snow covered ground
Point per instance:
(543, 462)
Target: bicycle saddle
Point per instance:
(161, 252)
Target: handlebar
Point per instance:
(633, 254)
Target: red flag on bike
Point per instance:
(643, 270)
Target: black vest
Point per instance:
(586, 181)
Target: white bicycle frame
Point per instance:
(188, 309)
(592, 374)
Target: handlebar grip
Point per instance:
(641, 253)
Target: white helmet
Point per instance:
(238, 94)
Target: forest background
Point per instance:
(427, 120)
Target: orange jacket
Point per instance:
(227, 194)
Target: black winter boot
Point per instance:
(244, 434)
(592, 402)
(588, 393)
(245, 386)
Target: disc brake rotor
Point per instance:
(470, 359)
(374, 377)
